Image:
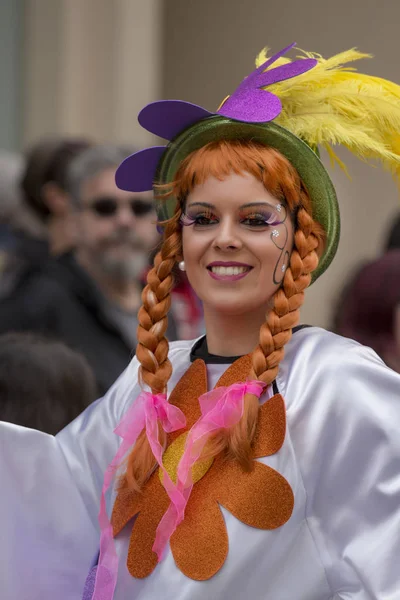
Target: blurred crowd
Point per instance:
(74, 255)
(368, 307)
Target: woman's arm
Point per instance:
(50, 493)
(350, 461)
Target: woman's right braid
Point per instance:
(277, 329)
(274, 334)
(152, 347)
(281, 180)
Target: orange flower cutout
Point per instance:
(261, 498)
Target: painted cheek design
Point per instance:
(280, 242)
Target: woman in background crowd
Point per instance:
(40, 225)
(368, 309)
(43, 383)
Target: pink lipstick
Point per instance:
(228, 271)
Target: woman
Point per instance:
(272, 469)
(368, 309)
(58, 383)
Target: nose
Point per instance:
(124, 216)
(227, 236)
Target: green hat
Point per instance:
(308, 103)
(300, 155)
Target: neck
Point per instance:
(233, 335)
(60, 235)
(124, 293)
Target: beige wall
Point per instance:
(90, 66)
(210, 46)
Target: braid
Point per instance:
(152, 347)
(219, 159)
(275, 332)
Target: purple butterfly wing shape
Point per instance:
(167, 118)
(254, 74)
(136, 173)
(252, 104)
(287, 71)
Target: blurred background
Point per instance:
(74, 250)
(86, 67)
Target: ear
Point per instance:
(56, 200)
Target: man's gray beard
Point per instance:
(123, 270)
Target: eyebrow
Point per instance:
(248, 205)
(205, 204)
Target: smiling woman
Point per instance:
(231, 232)
(219, 189)
(238, 225)
(254, 462)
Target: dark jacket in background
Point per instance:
(62, 302)
(21, 254)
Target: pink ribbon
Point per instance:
(143, 414)
(220, 409)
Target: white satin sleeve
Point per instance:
(49, 499)
(348, 446)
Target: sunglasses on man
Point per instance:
(108, 207)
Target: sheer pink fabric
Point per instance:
(143, 414)
(220, 409)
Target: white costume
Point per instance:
(341, 456)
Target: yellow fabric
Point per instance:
(262, 498)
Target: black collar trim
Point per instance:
(200, 350)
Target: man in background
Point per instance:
(43, 187)
(89, 297)
(39, 222)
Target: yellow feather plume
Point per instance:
(334, 104)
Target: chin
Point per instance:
(236, 307)
(127, 268)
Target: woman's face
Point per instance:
(237, 239)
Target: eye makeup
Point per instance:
(199, 217)
(257, 215)
(262, 216)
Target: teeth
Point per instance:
(229, 270)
